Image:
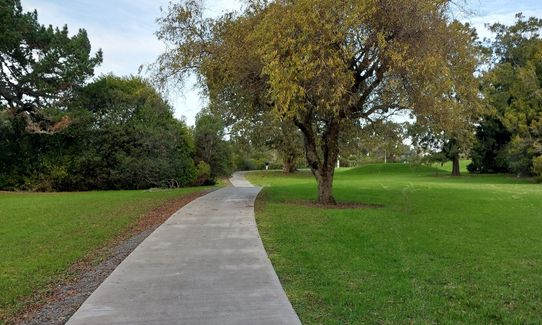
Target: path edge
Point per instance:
(240, 179)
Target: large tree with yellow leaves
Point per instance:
(326, 65)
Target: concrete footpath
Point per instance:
(204, 265)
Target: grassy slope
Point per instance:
(442, 250)
(42, 235)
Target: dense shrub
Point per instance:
(243, 163)
(203, 174)
(488, 153)
(537, 168)
(122, 135)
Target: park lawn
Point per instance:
(441, 250)
(43, 234)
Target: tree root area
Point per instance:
(337, 206)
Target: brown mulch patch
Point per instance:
(338, 206)
(61, 300)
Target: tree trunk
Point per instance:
(288, 165)
(325, 189)
(321, 162)
(455, 166)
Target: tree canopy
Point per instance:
(40, 67)
(210, 145)
(325, 64)
(509, 138)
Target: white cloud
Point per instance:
(499, 11)
(507, 18)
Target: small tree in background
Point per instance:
(211, 147)
(268, 133)
(379, 141)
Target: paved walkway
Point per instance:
(205, 265)
(238, 180)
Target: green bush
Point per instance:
(245, 164)
(203, 174)
(122, 135)
(537, 168)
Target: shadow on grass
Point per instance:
(338, 206)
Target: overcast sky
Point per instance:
(124, 30)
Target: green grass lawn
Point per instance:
(43, 234)
(442, 250)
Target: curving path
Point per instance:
(205, 265)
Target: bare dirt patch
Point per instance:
(338, 206)
(63, 299)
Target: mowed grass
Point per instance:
(43, 234)
(441, 250)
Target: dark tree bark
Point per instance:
(321, 162)
(455, 166)
(288, 164)
(325, 187)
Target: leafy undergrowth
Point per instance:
(441, 250)
(43, 234)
